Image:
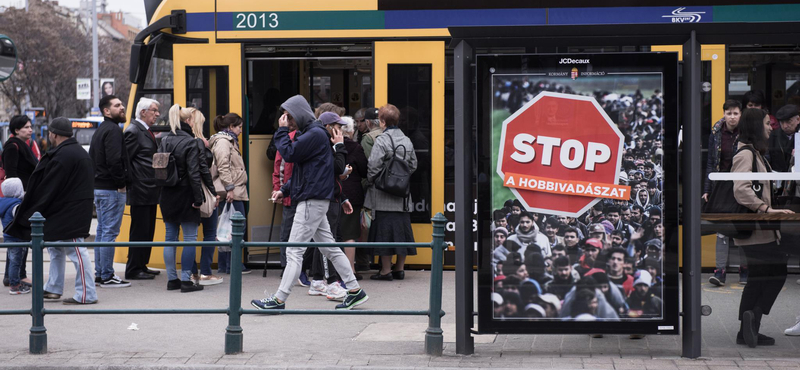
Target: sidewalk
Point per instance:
(338, 342)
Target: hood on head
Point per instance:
(298, 107)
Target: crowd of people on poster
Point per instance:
(607, 264)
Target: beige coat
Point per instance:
(742, 191)
(228, 171)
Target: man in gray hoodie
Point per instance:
(311, 189)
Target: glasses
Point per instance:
(153, 110)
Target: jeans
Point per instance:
(722, 249)
(207, 253)
(110, 205)
(84, 281)
(310, 221)
(16, 259)
(187, 257)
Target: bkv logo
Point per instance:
(679, 16)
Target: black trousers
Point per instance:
(143, 227)
(767, 265)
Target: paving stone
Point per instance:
(689, 367)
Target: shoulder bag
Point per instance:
(722, 200)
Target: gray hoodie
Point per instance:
(298, 107)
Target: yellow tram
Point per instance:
(248, 56)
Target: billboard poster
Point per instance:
(580, 229)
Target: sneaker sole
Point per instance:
(792, 334)
(300, 283)
(316, 292)
(210, 282)
(107, 286)
(715, 281)
(340, 299)
(21, 293)
(265, 309)
(357, 303)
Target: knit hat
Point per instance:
(61, 127)
(653, 243)
(608, 226)
(12, 188)
(501, 230)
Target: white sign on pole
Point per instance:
(84, 89)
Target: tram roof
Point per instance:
(627, 34)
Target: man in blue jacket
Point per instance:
(312, 189)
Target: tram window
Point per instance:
(410, 89)
(322, 90)
(366, 92)
(159, 75)
(270, 83)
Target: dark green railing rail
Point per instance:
(234, 336)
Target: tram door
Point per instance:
(411, 76)
(344, 80)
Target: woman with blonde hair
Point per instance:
(180, 203)
(196, 120)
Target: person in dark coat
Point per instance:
(62, 190)
(110, 181)
(18, 158)
(143, 193)
(350, 224)
(180, 203)
(781, 142)
(18, 161)
(312, 189)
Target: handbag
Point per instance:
(395, 177)
(722, 200)
(225, 226)
(208, 206)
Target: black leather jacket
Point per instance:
(141, 145)
(176, 201)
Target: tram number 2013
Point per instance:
(256, 20)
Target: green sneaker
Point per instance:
(353, 299)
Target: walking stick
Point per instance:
(271, 227)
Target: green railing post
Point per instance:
(434, 339)
(38, 336)
(233, 333)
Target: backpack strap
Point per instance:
(754, 184)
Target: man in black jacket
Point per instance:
(143, 194)
(61, 189)
(110, 176)
(781, 142)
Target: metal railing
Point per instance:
(234, 336)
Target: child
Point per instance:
(12, 197)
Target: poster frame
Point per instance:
(667, 63)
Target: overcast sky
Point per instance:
(135, 7)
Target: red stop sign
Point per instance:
(560, 154)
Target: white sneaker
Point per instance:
(210, 280)
(794, 330)
(798, 281)
(317, 287)
(336, 292)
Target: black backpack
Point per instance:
(395, 177)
